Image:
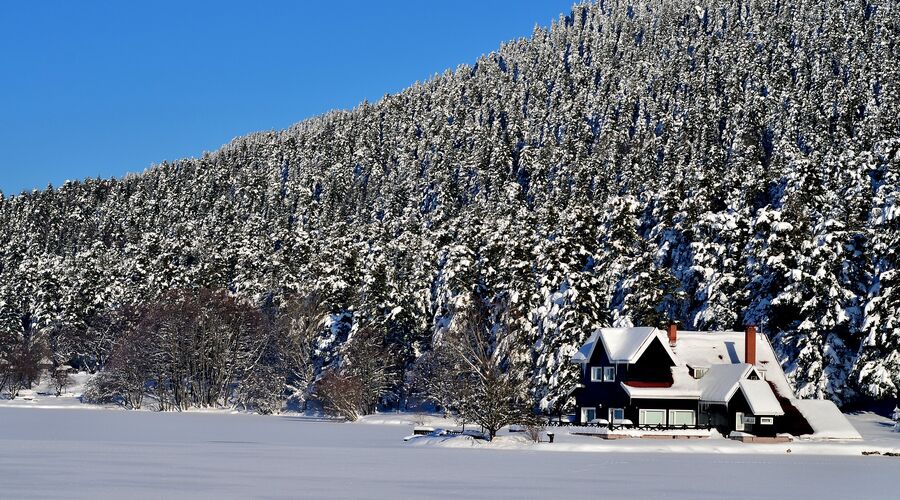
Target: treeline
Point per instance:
(208, 349)
(637, 162)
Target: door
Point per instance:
(739, 421)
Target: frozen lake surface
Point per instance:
(66, 453)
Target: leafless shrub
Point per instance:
(61, 380)
(419, 419)
(533, 431)
(342, 394)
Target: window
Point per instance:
(766, 420)
(652, 417)
(681, 417)
(603, 374)
(617, 414)
(588, 414)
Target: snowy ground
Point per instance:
(69, 452)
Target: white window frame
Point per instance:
(609, 373)
(596, 374)
(766, 421)
(584, 413)
(673, 417)
(642, 416)
(612, 414)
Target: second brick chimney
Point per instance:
(672, 330)
(750, 345)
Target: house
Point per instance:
(649, 377)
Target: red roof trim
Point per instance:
(646, 384)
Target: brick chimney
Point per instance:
(750, 345)
(672, 330)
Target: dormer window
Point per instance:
(698, 371)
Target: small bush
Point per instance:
(342, 395)
(534, 430)
(102, 390)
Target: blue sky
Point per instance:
(94, 88)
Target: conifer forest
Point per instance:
(714, 163)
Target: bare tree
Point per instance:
(193, 349)
(6, 369)
(437, 376)
(372, 363)
(366, 375)
(261, 374)
(101, 331)
(300, 324)
(127, 372)
(494, 389)
(21, 352)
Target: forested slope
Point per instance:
(713, 163)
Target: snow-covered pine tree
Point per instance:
(877, 368)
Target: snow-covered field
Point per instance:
(49, 450)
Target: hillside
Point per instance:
(635, 163)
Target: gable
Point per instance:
(760, 398)
(721, 382)
(598, 355)
(656, 354)
(622, 345)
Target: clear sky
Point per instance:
(92, 88)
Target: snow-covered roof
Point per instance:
(721, 382)
(585, 351)
(684, 386)
(727, 348)
(760, 398)
(826, 419)
(622, 345)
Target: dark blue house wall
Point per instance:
(654, 365)
(601, 395)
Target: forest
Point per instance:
(638, 162)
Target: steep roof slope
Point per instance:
(706, 349)
(622, 345)
(722, 381)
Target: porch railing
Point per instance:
(641, 427)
